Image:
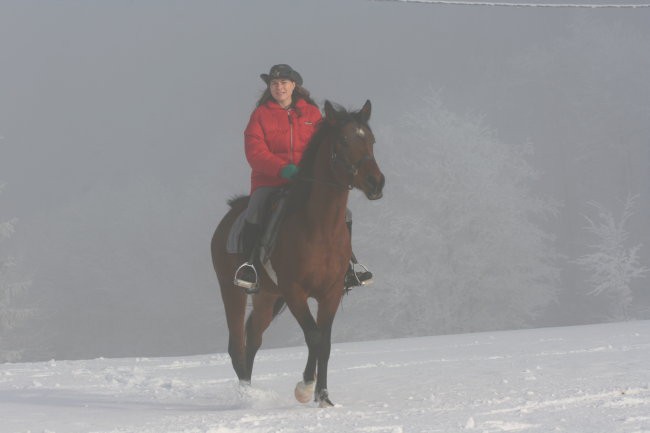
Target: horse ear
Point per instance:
(365, 111)
(330, 113)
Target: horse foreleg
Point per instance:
(304, 390)
(321, 395)
(300, 310)
(326, 313)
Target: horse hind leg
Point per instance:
(265, 307)
(234, 299)
(238, 358)
(234, 302)
(237, 351)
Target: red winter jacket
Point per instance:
(276, 137)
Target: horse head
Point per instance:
(353, 159)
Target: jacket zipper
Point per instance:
(290, 136)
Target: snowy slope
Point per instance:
(578, 379)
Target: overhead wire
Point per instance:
(524, 5)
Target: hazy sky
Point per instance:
(121, 118)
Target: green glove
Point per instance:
(288, 171)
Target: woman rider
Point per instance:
(277, 134)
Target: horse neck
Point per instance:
(326, 205)
(328, 199)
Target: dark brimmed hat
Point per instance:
(282, 71)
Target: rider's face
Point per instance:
(281, 90)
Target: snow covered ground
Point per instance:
(578, 379)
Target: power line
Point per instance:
(524, 5)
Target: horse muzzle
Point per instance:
(373, 186)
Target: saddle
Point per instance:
(272, 215)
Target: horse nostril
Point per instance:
(372, 182)
(375, 184)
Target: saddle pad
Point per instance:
(234, 244)
(271, 224)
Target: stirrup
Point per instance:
(363, 270)
(356, 281)
(248, 286)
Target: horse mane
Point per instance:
(343, 117)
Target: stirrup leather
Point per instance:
(248, 286)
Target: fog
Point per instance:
(121, 138)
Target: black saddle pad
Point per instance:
(272, 215)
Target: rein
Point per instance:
(325, 182)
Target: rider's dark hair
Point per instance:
(299, 92)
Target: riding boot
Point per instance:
(246, 274)
(354, 277)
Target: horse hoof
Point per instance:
(325, 403)
(323, 399)
(304, 391)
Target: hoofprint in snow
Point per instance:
(579, 379)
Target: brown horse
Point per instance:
(312, 251)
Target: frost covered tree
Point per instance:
(10, 288)
(612, 264)
(459, 231)
(595, 95)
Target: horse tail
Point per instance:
(237, 200)
(279, 307)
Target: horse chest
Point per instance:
(328, 245)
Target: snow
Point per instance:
(575, 379)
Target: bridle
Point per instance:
(349, 168)
(336, 160)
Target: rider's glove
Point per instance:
(288, 171)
